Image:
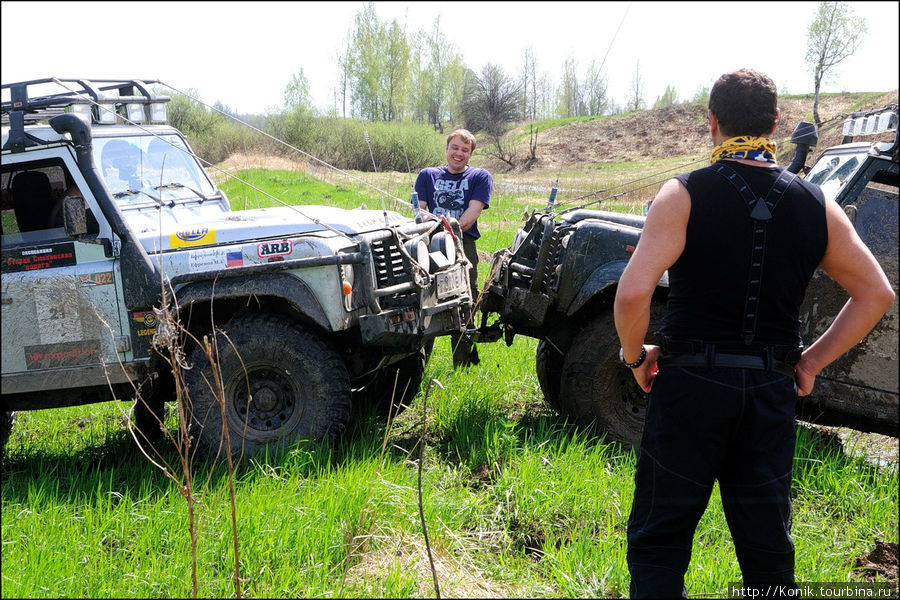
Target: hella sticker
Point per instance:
(270, 249)
(192, 237)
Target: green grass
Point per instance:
(623, 186)
(518, 503)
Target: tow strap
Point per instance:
(761, 210)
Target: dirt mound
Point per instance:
(880, 561)
(680, 130)
(648, 134)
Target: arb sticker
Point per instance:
(270, 249)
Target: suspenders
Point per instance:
(761, 213)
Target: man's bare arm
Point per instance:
(661, 243)
(471, 214)
(850, 263)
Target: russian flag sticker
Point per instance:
(234, 259)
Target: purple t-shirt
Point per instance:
(450, 193)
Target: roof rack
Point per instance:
(103, 101)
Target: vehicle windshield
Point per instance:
(831, 171)
(146, 168)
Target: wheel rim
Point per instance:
(632, 401)
(274, 402)
(621, 406)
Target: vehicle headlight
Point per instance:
(419, 253)
(135, 112)
(443, 249)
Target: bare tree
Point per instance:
(636, 93)
(530, 100)
(833, 35)
(490, 104)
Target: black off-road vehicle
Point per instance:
(104, 206)
(557, 283)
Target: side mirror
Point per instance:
(74, 216)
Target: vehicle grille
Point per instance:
(389, 268)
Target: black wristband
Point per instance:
(635, 364)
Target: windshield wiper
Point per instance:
(175, 185)
(132, 192)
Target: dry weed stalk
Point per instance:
(168, 341)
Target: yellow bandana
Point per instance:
(745, 146)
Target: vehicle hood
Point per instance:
(201, 225)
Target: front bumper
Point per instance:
(410, 328)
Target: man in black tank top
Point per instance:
(740, 240)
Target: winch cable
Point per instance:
(555, 188)
(825, 127)
(294, 148)
(657, 182)
(204, 161)
(374, 168)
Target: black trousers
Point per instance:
(731, 425)
(464, 350)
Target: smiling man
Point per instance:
(462, 192)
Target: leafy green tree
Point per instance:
(594, 91)
(569, 92)
(701, 96)
(668, 98)
(834, 34)
(376, 67)
(438, 77)
(395, 79)
(296, 93)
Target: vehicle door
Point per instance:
(61, 297)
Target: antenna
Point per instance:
(374, 168)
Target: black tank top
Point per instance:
(708, 282)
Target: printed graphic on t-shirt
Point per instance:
(449, 197)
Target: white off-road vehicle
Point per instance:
(109, 217)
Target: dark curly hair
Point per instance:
(744, 102)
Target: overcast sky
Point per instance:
(244, 53)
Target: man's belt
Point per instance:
(674, 346)
(733, 361)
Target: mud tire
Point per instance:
(408, 374)
(298, 386)
(150, 408)
(548, 364)
(7, 421)
(596, 390)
